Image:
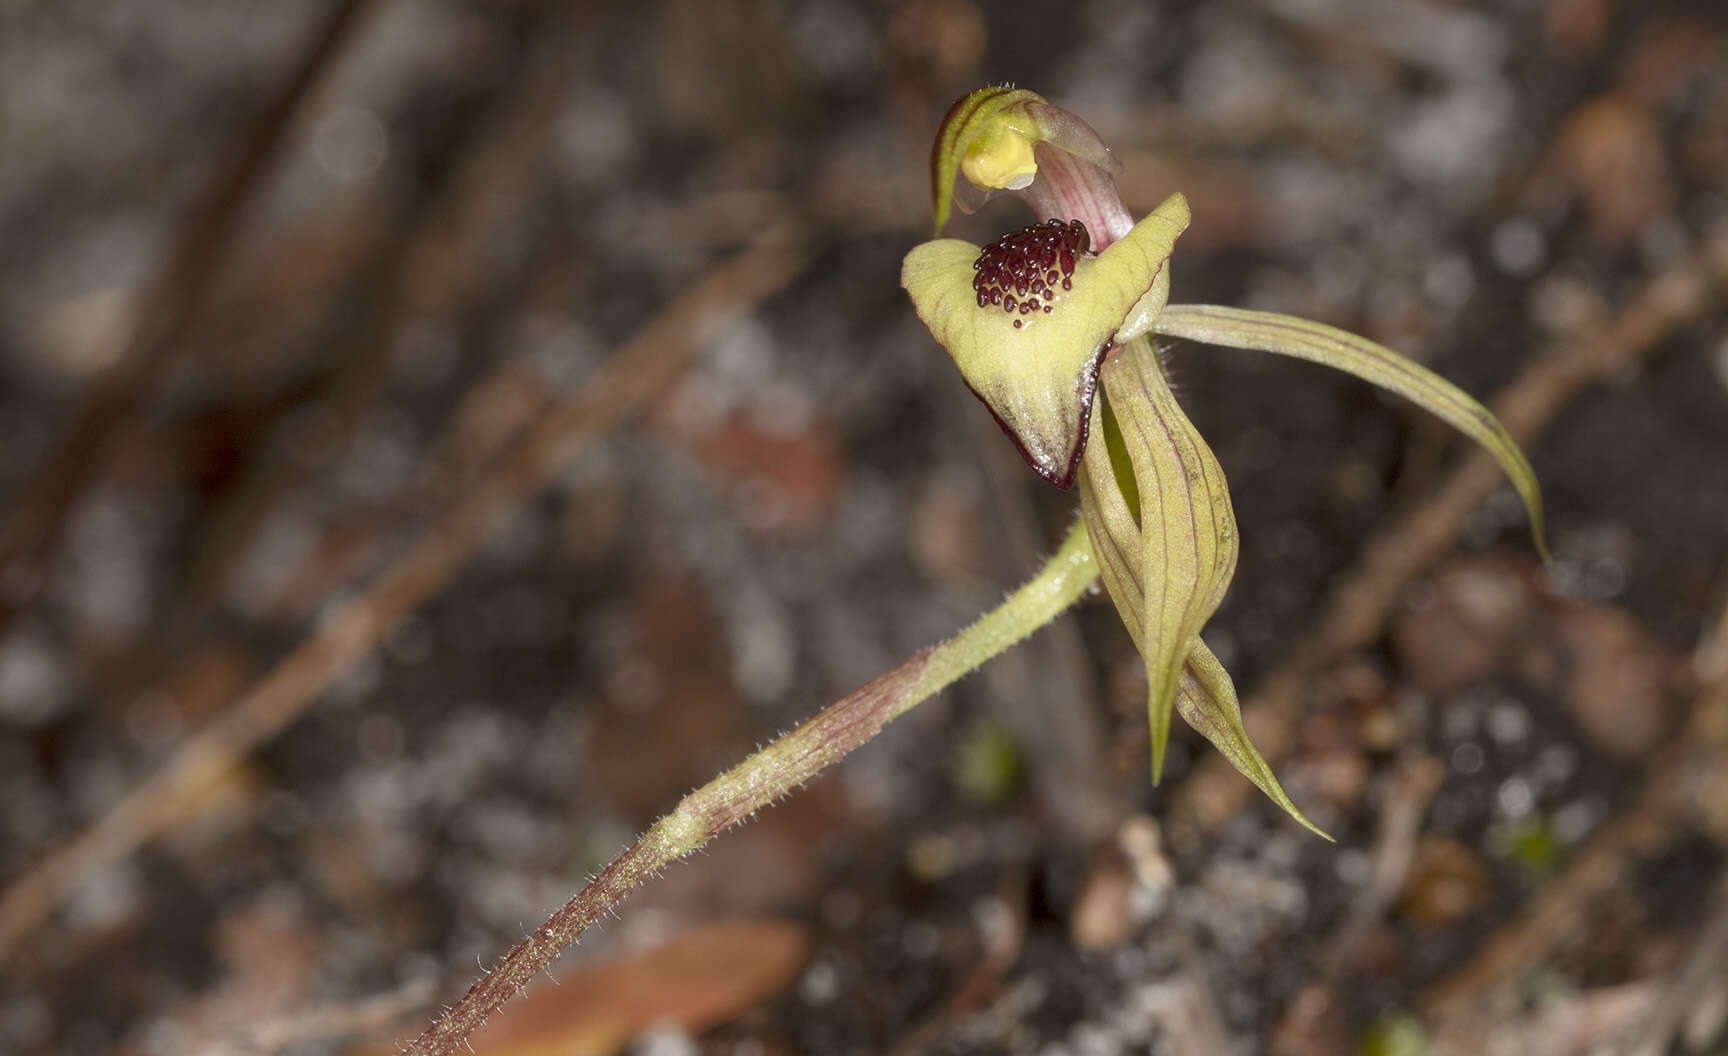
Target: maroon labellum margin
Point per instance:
(1088, 392)
(1030, 318)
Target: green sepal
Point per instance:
(1158, 510)
(1206, 700)
(1304, 339)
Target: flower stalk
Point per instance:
(767, 775)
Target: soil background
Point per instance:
(435, 436)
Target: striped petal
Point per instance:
(1290, 336)
(1158, 509)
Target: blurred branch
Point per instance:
(1414, 782)
(1685, 790)
(1701, 978)
(1572, 1024)
(482, 161)
(370, 1015)
(639, 369)
(170, 302)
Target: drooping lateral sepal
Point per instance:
(1032, 353)
(1158, 510)
(1206, 700)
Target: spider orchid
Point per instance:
(1052, 326)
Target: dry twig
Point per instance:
(487, 161)
(1683, 790)
(1412, 788)
(372, 1015)
(638, 370)
(170, 302)
(1705, 968)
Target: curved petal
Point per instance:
(1304, 339)
(1069, 132)
(1038, 372)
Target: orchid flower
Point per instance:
(1052, 326)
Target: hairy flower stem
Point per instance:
(769, 774)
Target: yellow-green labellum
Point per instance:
(1029, 318)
